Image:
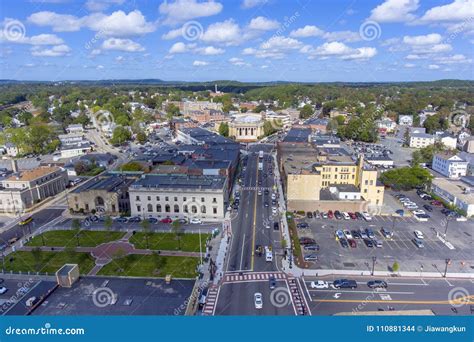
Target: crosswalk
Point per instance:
(211, 301)
(297, 297)
(255, 188)
(253, 276)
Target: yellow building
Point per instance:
(327, 179)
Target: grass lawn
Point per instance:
(50, 261)
(144, 266)
(168, 242)
(63, 238)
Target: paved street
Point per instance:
(401, 294)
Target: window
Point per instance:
(150, 208)
(167, 208)
(139, 208)
(214, 200)
(371, 182)
(176, 208)
(203, 209)
(137, 198)
(158, 208)
(184, 199)
(185, 208)
(214, 210)
(366, 182)
(167, 199)
(202, 199)
(149, 198)
(176, 199)
(157, 198)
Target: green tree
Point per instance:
(120, 135)
(146, 227)
(395, 267)
(108, 222)
(306, 111)
(159, 261)
(268, 128)
(171, 111)
(131, 166)
(177, 231)
(406, 178)
(141, 137)
(76, 228)
(224, 129)
(260, 108)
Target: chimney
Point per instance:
(14, 166)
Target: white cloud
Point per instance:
(182, 10)
(58, 22)
(225, 32)
(119, 59)
(96, 52)
(101, 5)
(263, 24)
(55, 51)
(200, 63)
(264, 66)
(249, 51)
(434, 49)
(362, 53)
(118, 44)
(409, 65)
(433, 67)
(433, 38)
(415, 57)
(40, 39)
(345, 36)
(179, 47)
(99, 67)
(393, 11)
(307, 31)
(457, 10)
(453, 59)
(173, 34)
(275, 47)
(238, 62)
(333, 49)
(210, 51)
(117, 24)
(253, 3)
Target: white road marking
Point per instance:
(242, 254)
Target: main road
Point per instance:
(246, 272)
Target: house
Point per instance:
(469, 145)
(447, 140)
(386, 125)
(469, 157)
(449, 165)
(420, 140)
(11, 150)
(75, 129)
(74, 150)
(405, 120)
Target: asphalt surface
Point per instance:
(401, 294)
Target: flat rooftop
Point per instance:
(107, 183)
(29, 175)
(455, 188)
(172, 181)
(134, 297)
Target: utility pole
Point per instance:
(374, 259)
(447, 261)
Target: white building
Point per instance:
(455, 192)
(382, 161)
(469, 157)
(420, 140)
(75, 129)
(386, 124)
(25, 188)
(75, 150)
(405, 120)
(449, 165)
(447, 140)
(179, 196)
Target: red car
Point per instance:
(352, 243)
(353, 216)
(166, 220)
(330, 214)
(437, 203)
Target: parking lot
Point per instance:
(400, 247)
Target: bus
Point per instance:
(26, 221)
(260, 155)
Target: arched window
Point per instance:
(158, 208)
(150, 208)
(167, 208)
(176, 208)
(194, 209)
(203, 209)
(99, 201)
(185, 208)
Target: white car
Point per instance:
(3, 289)
(195, 220)
(257, 297)
(347, 234)
(418, 234)
(259, 192)
(274, 210)
(366, 216)
(346, 216)
(419, 212)
(320, 284)
(273, 196)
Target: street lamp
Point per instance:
(446, 227)
(448, 261)
(374, 259)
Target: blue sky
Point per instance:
(245, 40)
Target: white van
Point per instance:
(268, 254)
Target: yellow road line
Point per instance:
(469, 300)
(254, 224)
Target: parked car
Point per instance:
(276, 226)
(309, 215)
(400, 212)
(363, 234)
(418, 243)
(344, 243)
(366, 216)
(339, 234)
(368, 243)
(3, 289)
(195, 220)
(386, 233)
(353, 216)
(370, 233)
(418, 234)
(121, 219)
(302, 225)
(166, 220)
(345, 216)
(355, 234)
(330, 214)
(135, 219)
(377, 243)
(347, 234)
(310, 257)
(344, 284)
(359, 215)
(307, 241)
(319, 284)
(338, 215)
(437, 203)
(152, 220)
(317, 215)
(352, 243)
(377, 284)
(324, 215)
(312, 247)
